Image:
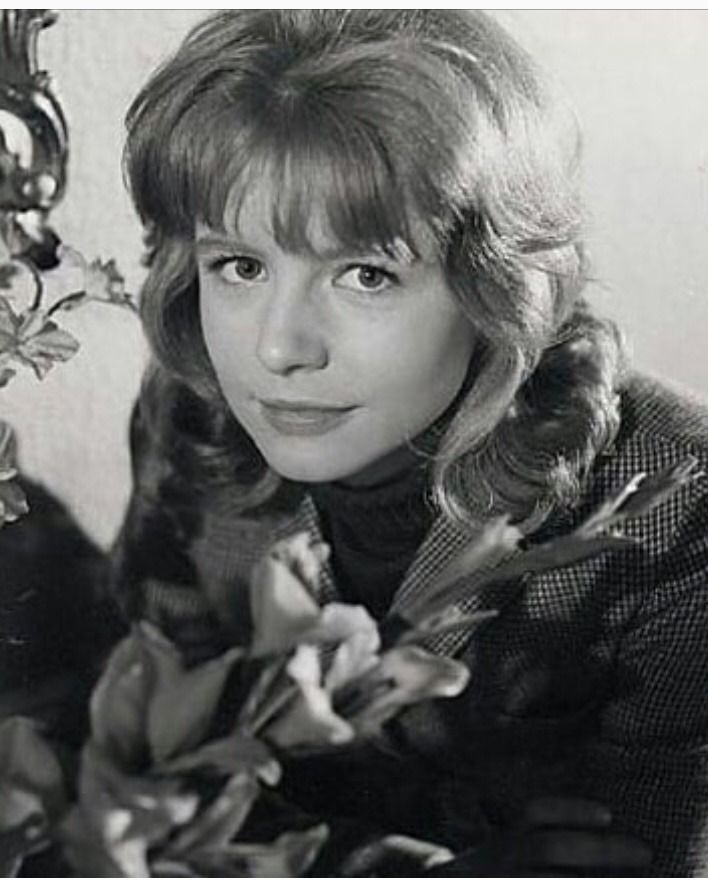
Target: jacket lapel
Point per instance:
(444, 542)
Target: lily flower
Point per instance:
(338, 685)
(283, 591)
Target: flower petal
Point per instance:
(14, 501)
(23, 839)
(104, 282)
(303, 557)
(406, 675)
(448, 619)
(119, 703)
(282, 608)
(182, 701)
(354, 657)
(289, 856)
(221, 821)
(51, 342)
(28, 763)
(17, 805)
(339, 622)
(86, 854)
(120, 818)
(309, 720)
(230, 755)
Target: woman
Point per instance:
(364, 304)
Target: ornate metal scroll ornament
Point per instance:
(33, 139)
(33, 169)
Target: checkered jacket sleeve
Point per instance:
(648, 758)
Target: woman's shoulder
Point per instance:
(660, 415)
(661, 428)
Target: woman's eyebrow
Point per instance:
(210, 241)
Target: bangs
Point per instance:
(341, 157)
(319, 172)
(334, 192)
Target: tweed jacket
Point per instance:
(592, 681)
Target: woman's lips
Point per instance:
(303, 418)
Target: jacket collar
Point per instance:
(444, 542)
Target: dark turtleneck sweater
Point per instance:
(375, 531)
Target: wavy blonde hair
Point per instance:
(387, 116)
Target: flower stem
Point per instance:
(271, 709)
(73, 296)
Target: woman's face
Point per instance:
(330, 362)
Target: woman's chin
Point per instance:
(316, 466)
(309, 471)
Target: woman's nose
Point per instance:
(291, 336)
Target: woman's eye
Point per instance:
(366, 278)
(239, 269)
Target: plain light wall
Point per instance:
(639, 83)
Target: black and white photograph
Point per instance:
(353, 443)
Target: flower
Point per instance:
(32, 791)
(32, 338)
(310, 719)
(283, 590)
(152, 773)
(88, 281)
(339, 687)
(13, 502)
(180, 755)
(138, 709)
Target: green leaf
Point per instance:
(8, 446)
(497, 541)
(641, 495)
(21, 285)
(9, 323)
(559, 553)
(43, 349)
(446, 620)
(655, 489)
(8, 272)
